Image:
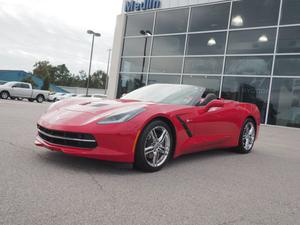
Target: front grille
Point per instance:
(77, 140)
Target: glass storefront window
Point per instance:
(168, 45)
(137, 23)
(163, 79)
(130, 82)
(289, 40)
(166, 65)
(254, 13)
(211, 17)
(290, 12)
(247, 89)
(203, 65)
(288, 65)
(251, 41)
(136, 46)
(134, 65)
(206, 44)
(171, 21)
(249, 65)
(211, 83)
(285, 102)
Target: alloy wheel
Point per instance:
(157, 146)
(248, 136)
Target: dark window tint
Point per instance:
(203, 65)
(211, 17)
(134, 64)
(136, 46)
(206, 44)
(139, 22)
(171, 21)
(25, 86)
(166, 65)
(130, 82)
(247, 89)
(290, 12)
(252, 65)
(254, 13)
(163, 79)
(251, 41)
(289, 40)
(169, 45)
(17, 85)
(285, 103)
(212, 84)
(287, 66)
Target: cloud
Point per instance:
(55, 30)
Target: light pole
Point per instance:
(146, 34)
(107, 71)
(91, 58)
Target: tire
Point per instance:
(40, 98)
(247, 137)
(4, 95)
(30, 99)
(152, 154)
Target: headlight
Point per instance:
(121, 117)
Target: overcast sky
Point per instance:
(55, 30)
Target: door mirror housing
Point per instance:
(215, 104)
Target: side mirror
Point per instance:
(215, 104)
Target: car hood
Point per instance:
(85, 111)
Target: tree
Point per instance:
(98, 79)
(42, 69)
(46, 84)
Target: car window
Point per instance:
(17, 85)
(25, 86)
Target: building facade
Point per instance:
(246, 50)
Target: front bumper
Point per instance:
(112, 146)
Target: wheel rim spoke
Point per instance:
(157, 146)
(248, 136)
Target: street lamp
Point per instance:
(146, 34)
(107, 71)
(91, 58)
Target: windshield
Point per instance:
(167, 94)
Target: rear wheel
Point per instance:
(154, 147)
(4, 95)
(40, 98)
(247, 137)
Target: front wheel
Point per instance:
(154, 147)
(40, 98)
(247, 137)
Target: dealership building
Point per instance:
(245, 50)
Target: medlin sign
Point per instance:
(145, 5)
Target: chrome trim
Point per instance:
(65, 138)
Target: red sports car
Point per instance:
(149, 126)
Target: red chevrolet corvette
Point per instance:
(149, 126)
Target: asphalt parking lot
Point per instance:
(38, 186)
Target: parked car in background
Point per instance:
(55, 97)
(99, 96)
(21, 90)
(69, 95)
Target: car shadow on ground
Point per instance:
(93, 165)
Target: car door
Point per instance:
(26, 90)
(211, 126)
(16, 90)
